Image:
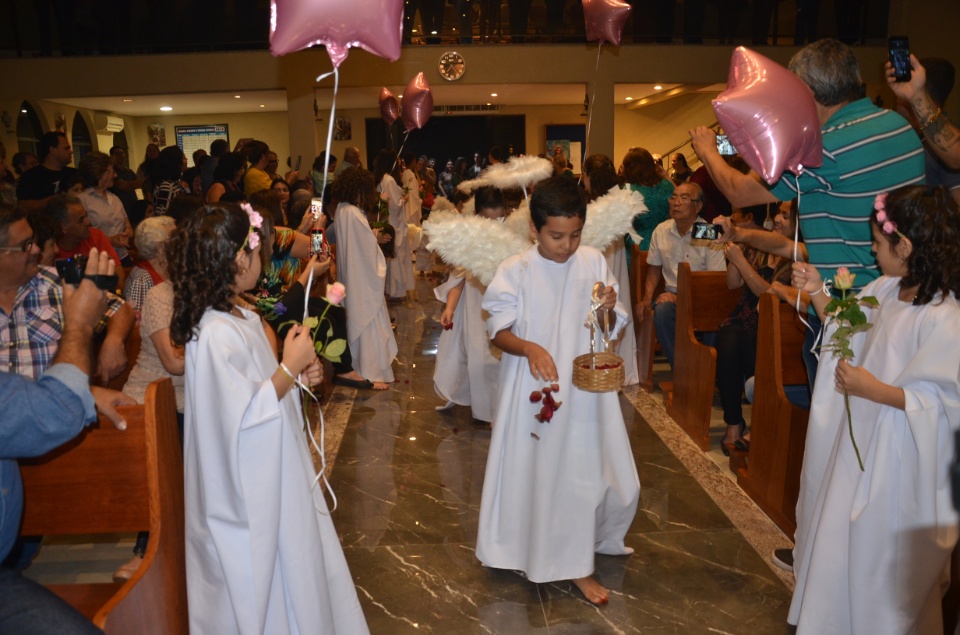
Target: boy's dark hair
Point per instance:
(44, 228)
(183, 206)
(487, 197)
(354, 186)
(218, 147)
(48, 142)
(929, 217)
(170, 164)
(557, 196)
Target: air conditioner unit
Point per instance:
(107, 123)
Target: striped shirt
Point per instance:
(29, 336)
(866, 151)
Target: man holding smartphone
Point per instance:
(866, 150)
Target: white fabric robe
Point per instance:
(400, 267)
(871, 546)
(411, 187)
(468, 364)
(261, 558)
(362, 268)
(548, 505)
(626, 345)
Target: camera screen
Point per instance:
(704, 231)
(724, 146)
(316, 207)
(316, 242)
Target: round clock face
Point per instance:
(451, 66)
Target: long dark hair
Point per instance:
(929, 217)
(201, 259)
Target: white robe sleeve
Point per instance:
(502, 299)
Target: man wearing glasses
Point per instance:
(669, 246)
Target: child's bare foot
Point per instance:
(592, 590)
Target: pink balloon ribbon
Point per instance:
(417, 103)
(604, 20)
(389, 106)
(770, 116)
(374, 25)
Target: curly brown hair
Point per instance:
(201, 258)
(638, 168)
(355, 186)
(929, 217)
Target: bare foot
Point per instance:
(592, 590)
(379, 385)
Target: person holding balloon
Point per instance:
(772, 121)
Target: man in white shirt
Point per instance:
(669, 246)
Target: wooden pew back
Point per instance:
(645, 334)
(778, 428)
(107, 481)
(703, 302)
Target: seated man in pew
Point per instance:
(38, 416)
(669, 246)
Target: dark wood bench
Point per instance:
(778, 428)
(108, 481)
(645, 334)
(703, 302)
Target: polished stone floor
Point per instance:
(409, 479)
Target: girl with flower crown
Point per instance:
(262, 553)
(872, 544)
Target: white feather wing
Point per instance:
(611, 216)
(477, 244)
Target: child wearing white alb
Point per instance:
(554, 493)
(872, 543)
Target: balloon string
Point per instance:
(333, 111)
(797, 258)
(400, 151)
(593, 98)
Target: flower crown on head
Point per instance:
(256, 221)
(887, 226)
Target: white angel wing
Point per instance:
(611, 216)
(475, 243)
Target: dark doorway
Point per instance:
(451, 136)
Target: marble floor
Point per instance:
(408, 480)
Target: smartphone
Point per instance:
(724, 147)
(900, 58)
(316, 207)
(706, 231)
(297, 165)
(316, 241)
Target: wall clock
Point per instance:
(451, 66)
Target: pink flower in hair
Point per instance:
(880, 204)
(889, 227)
(253, 239)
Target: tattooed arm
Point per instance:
(943, 135)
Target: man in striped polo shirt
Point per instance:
(866, 150)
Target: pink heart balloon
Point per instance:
(417, 103)
(604, 20)
(376, 26)
(770, 116)
(389, 106)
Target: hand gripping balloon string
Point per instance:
(321, 448)
(333, 111)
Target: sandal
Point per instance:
(364, 384)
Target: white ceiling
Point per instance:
(444, 94)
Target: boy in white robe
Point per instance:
(555, 493)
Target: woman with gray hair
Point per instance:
(151, 235)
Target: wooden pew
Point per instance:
(778, 428)
(645, 334)
(703, 302)
(107, 481)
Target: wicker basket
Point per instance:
(598, 380)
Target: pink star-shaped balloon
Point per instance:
(374, 25)
(604, 20)
(770, 116)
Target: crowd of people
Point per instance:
(220, 263)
